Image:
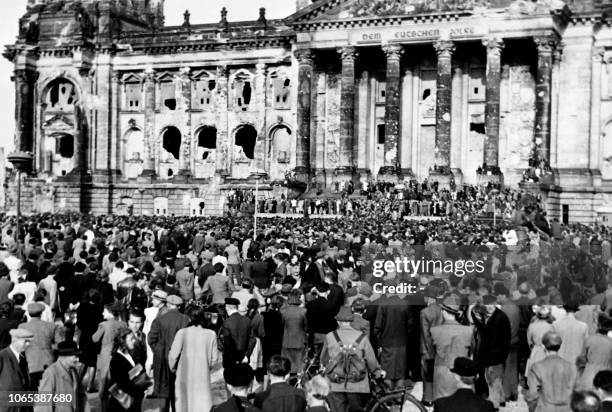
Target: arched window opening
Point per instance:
(426, 94)
(207, 137)
(65, 146)
(281, 142)
(172, 141)
(134, 145)
(61, 95)
(246, 137)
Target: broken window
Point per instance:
(477, 84)
(65, 146)
(426, 94)
(172, 141)
(281, 142)
(477, 127)
(203, 93)
(246, 138)
(381, 133)
(168, 95)
(62, 95)
(242, 91)
(207, 141)
(281, 91)
(133, 96)
(381, 87)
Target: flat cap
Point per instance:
(35, 309)
(21, 333)
(160, 294)
(174, 300)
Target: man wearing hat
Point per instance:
(320, 315)
(14, 374)
(450, 340)
(430, 317)
(160, 338)
(39, 353)
(464, 399)
(238, 379)
(349, 396)
(62, 377)
(237, 335)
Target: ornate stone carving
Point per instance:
(393, 51)
(494, 45)
(530, 7)
(546, 44)
(444, 48)
(348, 53)
(363, 8)
(304, 56)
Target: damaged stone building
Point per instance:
(126, 114)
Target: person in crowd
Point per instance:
(193, 357)
(237, 335)
(429, 317)
(464, 399)
(45, 336)
(349, 396)
(513, 313)
(121, 363)
(7, 323)
(161, 336)
(135, 320)
(280, 396)
(317, 392)
(14, 373)
(89, 315)
(238, 378)
(573, 334)
(585, 401)
(551, 380)
(219, 285)
(63, 377)
(603, 386)
(294, 339)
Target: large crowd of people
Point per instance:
(308, 313)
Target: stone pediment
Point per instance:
(59, 123)
(330, 10)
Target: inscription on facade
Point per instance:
(418, 34)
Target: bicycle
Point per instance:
(397, 400)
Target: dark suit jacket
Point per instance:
(495, 340)
(5, 287)
(464, 400)
(231, 405)
(119, 374)
(13, 377)
(32, 270)
(238, 338)
(6, 324)
(259, 274)
(281, 397)
(320, 316)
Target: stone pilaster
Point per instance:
(546, 46)
(260, 106)
(149, 124)
(444, 50)
(185, 107)
(304, 100)
(494, 48)
(391, 166)
(222, 156)
(347, 111)
(25, 85)
(114, 139)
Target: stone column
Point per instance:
(304, 98)
(391, 166)
(261, 150)
(442, 171)
(114, 136)
(546, 46)
(347, 112)
(149, 124)
(185, 107)
(222, 157)
(25, 85)
(492, 94)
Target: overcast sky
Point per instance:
(202, 11)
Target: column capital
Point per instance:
(494, 45)
(393, 51)
(348, 53)
(184, 72)
(546, 44)
(305, 57)
(149, 75)
(222, 71)
(260, 68)
(24, 75)
(598, 54)
(444, 48)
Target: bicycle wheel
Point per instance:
(396, 402)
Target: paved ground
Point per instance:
(219, 394)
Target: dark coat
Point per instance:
(294, 322)
(6, 324)
(464, 400)
(320, 316)
(280, 397)
(231, 405)
(160, 338)
(259, 274)
(13, 377)
(119, 374)
(494, 340)
(392, 328)
(238, 338)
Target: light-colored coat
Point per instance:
(573, 334)
(194, 355)
(57, 379)
(550, 381)
(40, 352)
